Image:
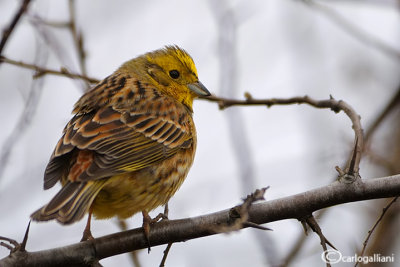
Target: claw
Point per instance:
(147, 222)
(146, 228)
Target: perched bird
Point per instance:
(130, 143)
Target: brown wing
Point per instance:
(125, 125)
(71, 203)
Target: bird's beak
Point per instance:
(198, 88)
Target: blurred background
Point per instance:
(347, 49)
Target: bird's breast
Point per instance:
(143, 190)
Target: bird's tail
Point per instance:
(71, 202)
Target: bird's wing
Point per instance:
(122, 125)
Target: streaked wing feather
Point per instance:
(71, 202)
(66, 193)
(76, 208)
(145, 128)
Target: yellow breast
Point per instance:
(129, 193)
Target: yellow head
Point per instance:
(172, 71)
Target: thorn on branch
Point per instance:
(346, 177)
(239, 215)
(248, 96)
(249, 200)
(304, 224)
(25, 240)
(352, 168)
(335, 106)
(340, 171)
(350, 174)
(38, 73)
(256, 226)
(312, 223)
(255, 196)
(14, 246)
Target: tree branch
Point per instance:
(43, 71)
(336, 106)
(7, 32)
(28, 113)
(390, 106)
(310, 221)
(385, 209)
(164, 232)
(353, 30)
(77, 36)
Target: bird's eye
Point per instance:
(174, 74)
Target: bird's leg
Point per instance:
(147, 221)
(87, 234)
(164, 216)
(159, 217)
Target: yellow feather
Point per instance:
(131, 142)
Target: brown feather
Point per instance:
(71, 202)
(130, 142)
(108, 132)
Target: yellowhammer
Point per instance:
(131, 141)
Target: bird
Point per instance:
(130, 143)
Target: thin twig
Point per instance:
(55, 24)
(354, 31)
(298, 244)
(315, 227)
(78, 39)
(394, 102)
(27, 115)
(14, 244)
(58, 48)
(352, 167)
(166, 251)
(7, 246)
(385, 209)
(7, 32)
(43, 71)
(382, 161)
